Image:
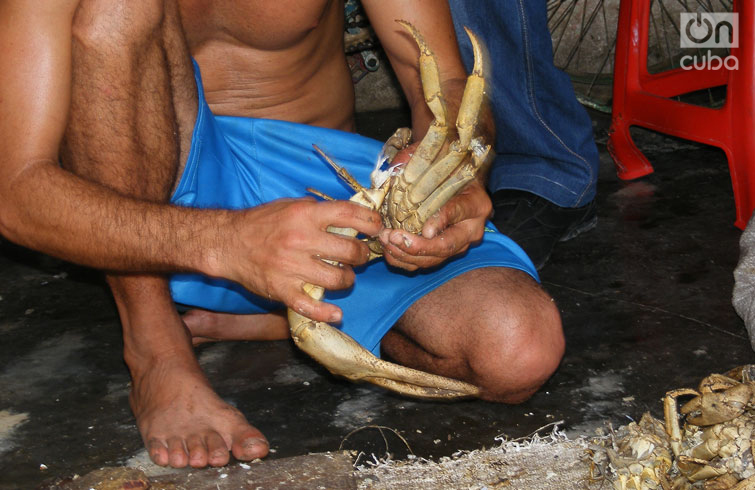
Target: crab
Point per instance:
(642, 457)
(713, 450)
(717, 443)
(406, 197)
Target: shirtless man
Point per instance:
(107, 89)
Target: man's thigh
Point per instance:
(133, 98)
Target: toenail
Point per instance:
(250, 443)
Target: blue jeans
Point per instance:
(544, 138)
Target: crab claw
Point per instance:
(343, 356)
(716, 407)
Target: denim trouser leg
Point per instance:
(544, 141)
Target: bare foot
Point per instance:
(183, 421)
(209, 326)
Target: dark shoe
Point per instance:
(536, 224)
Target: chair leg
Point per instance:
(743, 184)
(741, 105)
(629, 160)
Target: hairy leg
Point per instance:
(493, 327)
(208, 326)
(133, 110)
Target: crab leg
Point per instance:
(433, 141)
(466, 123)
(671, 417)
(747, 484)
(463, 175)
(423, 179)
(343, 356)
(474, 93)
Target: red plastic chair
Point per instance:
(643, 99)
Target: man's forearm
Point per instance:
(53, 211)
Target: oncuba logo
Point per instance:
(709, 30)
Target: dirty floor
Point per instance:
(645, 300)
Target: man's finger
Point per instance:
(329, 276)
(404, 155)
(472, 202)
(320, 311)
(394, 257)
(410, 261)
(346, 214)
(441, 220)
(446, 244)
(345, 250)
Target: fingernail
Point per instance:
(401, 239)
(335, 317)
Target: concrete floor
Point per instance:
(645, 300)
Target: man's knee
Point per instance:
(523, 348)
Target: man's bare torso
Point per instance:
(279, 59)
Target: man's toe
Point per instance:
(249, 445)
(158, 452)
(217, 449)
(197, 451)
(177, 452)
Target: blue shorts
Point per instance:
(238, 163)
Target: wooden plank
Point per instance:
(327, 471)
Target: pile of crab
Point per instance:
(712, 449)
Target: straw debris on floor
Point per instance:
(549, 462)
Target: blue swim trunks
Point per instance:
(238, 163)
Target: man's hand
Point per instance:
(274, 249)
(458, 224)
